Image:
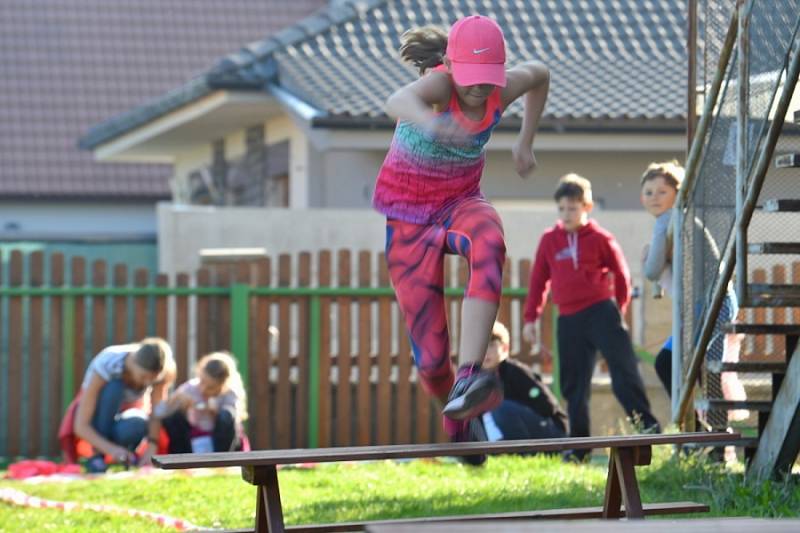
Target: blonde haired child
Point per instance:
(205, 414)
(660, 184)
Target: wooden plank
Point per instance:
(283, 402)
(523, 274)
(344, 414)
(383, 407)
(796, 281)
(759, 275)
(504, 310)
(269, 513)
(781, 205)
(423, 410)
(222, 321)
(518, 522)
(302, 357)
(763, 329)
(78, 267)
(141, 277)
(404, 367)
(181, 348)
(629, 487)
(37, 378)
(364, 394)
(773, 248)
(162, 308)
(325, 279)
(728, 405)
(120, 328)
(612, 503)
(204, 324)
(778, 314)
(55, 350)
(16, 356)
(99, 308)
(406, 451)
(773, 367)
(260, 384)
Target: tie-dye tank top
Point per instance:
(421, 178)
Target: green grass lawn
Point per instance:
(341, 492)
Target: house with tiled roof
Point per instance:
(69, 65)
(297, 119)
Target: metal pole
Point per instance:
(691, 89)
(677, 309)
(742, 116)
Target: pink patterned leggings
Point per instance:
(415, 257)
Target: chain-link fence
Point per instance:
(711, 211)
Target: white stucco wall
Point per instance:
(184, 230)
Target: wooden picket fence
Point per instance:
(306, 331)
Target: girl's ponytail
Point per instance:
(424, 47)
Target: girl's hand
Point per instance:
(524, 160)
(122, 454)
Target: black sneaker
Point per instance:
(475, 392)
(96, 465)
(473, 432)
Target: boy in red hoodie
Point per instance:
(576, 259)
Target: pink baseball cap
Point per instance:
(477, 51)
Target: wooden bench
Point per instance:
(260, 468)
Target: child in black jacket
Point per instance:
(529, 410)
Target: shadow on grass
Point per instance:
(455, 503)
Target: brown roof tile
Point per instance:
(67, 65)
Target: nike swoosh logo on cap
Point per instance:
(479, 50)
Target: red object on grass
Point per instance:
(37, 467)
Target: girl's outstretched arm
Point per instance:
(532, 80)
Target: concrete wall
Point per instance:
(184, 231)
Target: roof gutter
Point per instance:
(300, 108)
(576, 125)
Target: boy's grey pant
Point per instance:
(580, 335)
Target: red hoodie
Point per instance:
(577, 266)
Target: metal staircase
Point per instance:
(775, 441)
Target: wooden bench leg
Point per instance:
(621, 483)
(613, 500)
(269, 512)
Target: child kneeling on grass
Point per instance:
(529, 409)
(205, 414)
(112, 410)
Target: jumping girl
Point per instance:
(429, 189)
